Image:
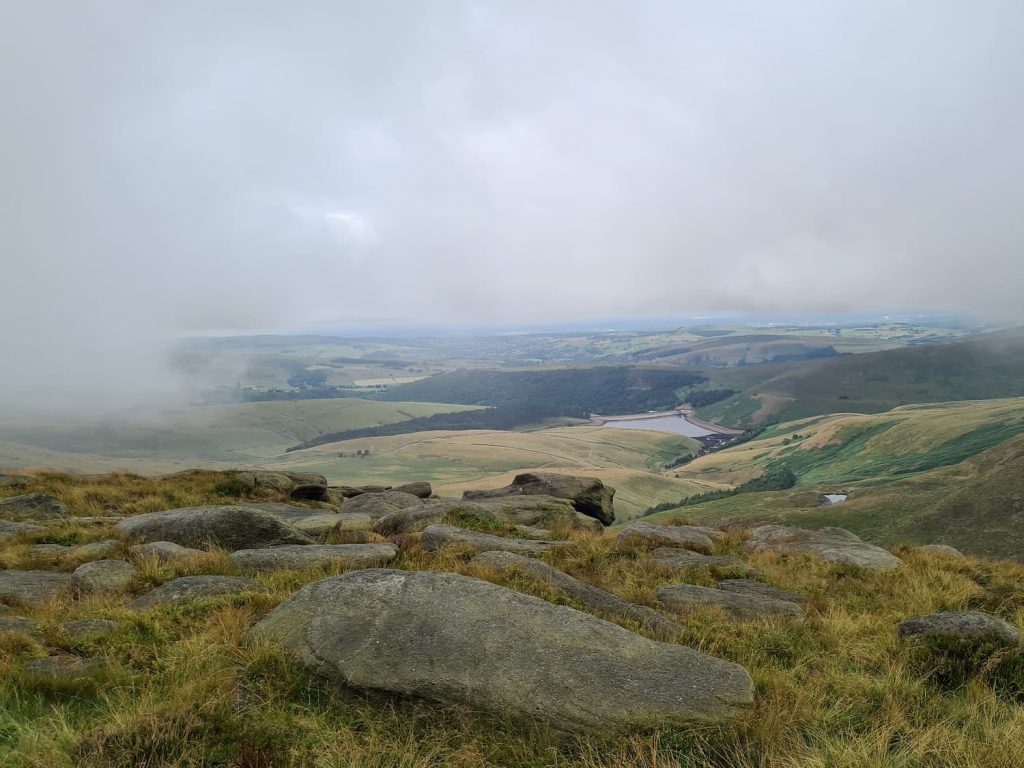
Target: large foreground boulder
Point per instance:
(314, 556)
(230, 527)
(835, 545)
(588, 495)
(437, 536)
(586, 594)
(35, 507)
(454, 639)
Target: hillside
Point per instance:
(974, 368)
(140, 672)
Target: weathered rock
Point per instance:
(314, 555)
(36, 507)
(688, 597)
(64, 667)
(586, 594)
(94, 549)
(651, 536)
(9, 530)
(89, 629)
(538, 512)
(676, 557)
(310, 491)
(352, 521)
(33, 588)
(421, 489)
(835, 545)
(450, 638)
(274, 481)
(760, 589)
(379, 504)
(14, 481)
(20, 625)
(103, 576)
(230, 527)
(165, 551)
(350, 491)
(312, 522)
(414, 519)
(588, 495)
(939, 549)
(437, 536)
(968, 627)
(189, 588)
(534, 533)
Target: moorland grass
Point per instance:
(184, 688)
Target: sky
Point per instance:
(188, 168)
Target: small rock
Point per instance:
(32, 506)
(940, 549)
(20, 625)
(587, 594)
(420, 489)
(165, 551)
(88, 629)
(970, 627)
(103, 576)
(687, 597)
(650, 536)
(312, 522)
(675, 557)
(437, 536)
(760, 589)
(534, 533)
(188, 588)
(33, 588)
(314, 555)
(64, 667)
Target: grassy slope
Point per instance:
(184, 688)
(456, 460)
(972, 369)
(242, 433)
(952, 472)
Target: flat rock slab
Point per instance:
(688, 597)
(437, 536)
(312, 522)
(651, 536)
(165, 551)
(314, 555)
(33, 588)
(676, 557)
(189, 588)
(230, 527)
(835, 545)
(103, 576)
(760, 589)
(587, 594)
(940, 549)
(37, 507)
(10, 530)
(20, 625)
(64, 667)
(588, 495)
(450, 638)
(379, 504)
(89, 629)
(971, 627)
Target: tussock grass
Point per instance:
(839, 690)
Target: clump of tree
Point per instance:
(706, 397)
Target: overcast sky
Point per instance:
(173, 168)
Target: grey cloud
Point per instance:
(182, 168)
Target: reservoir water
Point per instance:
(675, 424)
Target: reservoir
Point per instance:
(674, 423)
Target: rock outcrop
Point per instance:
(313, 556)
(588, 495)
(586, 594)
(455, 639)
(33, 507)
(437, 536)
(688, 597)
(230, 527)
(835, 545)
(312, 522)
